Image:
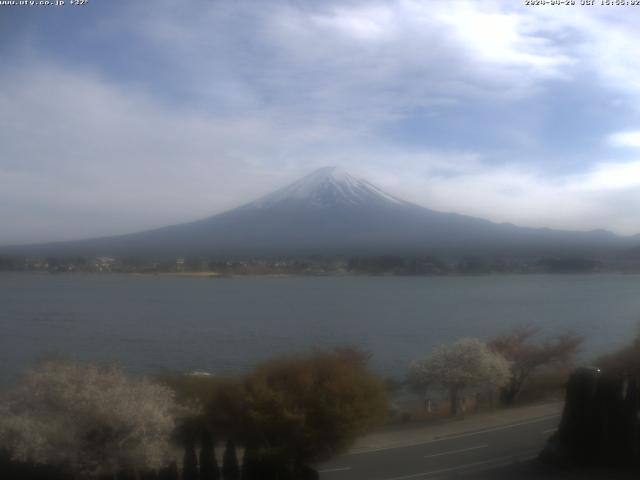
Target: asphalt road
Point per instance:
(461, 455)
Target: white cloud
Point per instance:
(625, 139)
(605, 196)
(599, 40)
(611, 176)
(354, 63)
(375, 23)
(103, 159)
(249, 98)
(503, 38)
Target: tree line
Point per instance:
(67, 420)
(504, 363)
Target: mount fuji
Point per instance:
(331, 212)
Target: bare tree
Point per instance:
(95, 421)
(526, 356)
(464, 364)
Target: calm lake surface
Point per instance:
(158, 324)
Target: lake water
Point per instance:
(159, 324)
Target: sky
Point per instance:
(119, 116)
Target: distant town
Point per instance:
(316, 265)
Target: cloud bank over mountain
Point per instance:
(121, 116)
(331, 212)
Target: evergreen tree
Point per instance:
(230, 468)
(170, 472)
(126, 475)
(8, 467)
(208, 463)
(190, 461)
(149, 475)
(304, 472)
(250, 468)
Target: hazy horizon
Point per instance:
(284, 193)
(140, 116)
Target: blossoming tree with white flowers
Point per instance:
(464, 365)
(91, 420)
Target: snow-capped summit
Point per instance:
(328, 187)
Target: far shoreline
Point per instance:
(219, 275)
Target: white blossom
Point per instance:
(94, 420)
(463, 364)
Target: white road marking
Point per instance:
(497, 461)
(549, 430)
(460, 435)
(456, 451)
(495, 429)
(340, 469)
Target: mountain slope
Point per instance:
(331, 212)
